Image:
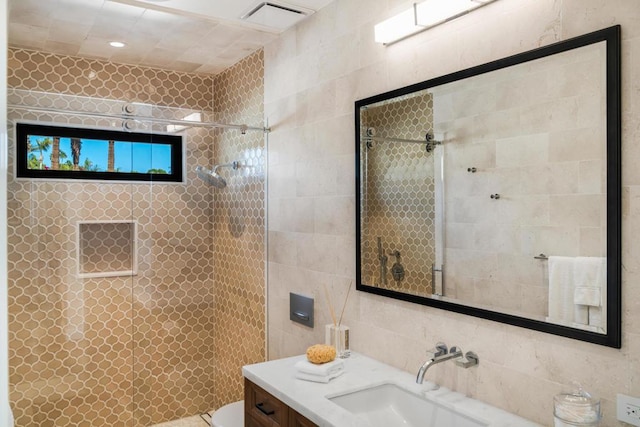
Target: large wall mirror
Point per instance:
(495, 191)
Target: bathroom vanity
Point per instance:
(361, 397)
(262, 409)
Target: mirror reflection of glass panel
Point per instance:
(490, 191)
(399, 225)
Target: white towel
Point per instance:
(596, 318)
(591, 273)
(323, 370)
(581, 314)
(583, 295)
(318, 378)
(561, 306)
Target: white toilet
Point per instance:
(231, 415)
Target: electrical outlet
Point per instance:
(628, 409)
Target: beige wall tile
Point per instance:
(524, 150)
(575, 144)
(584, 210)
(317, 252)
(330, 214)
(511, 356)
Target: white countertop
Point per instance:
(309, 398)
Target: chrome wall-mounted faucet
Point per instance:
(441, 354)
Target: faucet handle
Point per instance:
(470, 359)
(440, 350)
(455, 349)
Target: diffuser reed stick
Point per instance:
(345, 303)
(333, 313)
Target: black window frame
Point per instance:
(24, 129)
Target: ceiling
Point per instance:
(202, 36)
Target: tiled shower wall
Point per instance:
(238, 229)
(128, 351)
(400, 194)
(45, 72)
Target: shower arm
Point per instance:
(235, 165)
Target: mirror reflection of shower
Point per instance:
(212, 177)
(401, 195)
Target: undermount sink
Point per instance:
(389, 405)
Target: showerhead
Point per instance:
(211, 175)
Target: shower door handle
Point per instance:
(433, 279)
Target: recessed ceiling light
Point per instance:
(117, 44)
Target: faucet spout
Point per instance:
(454, 353)
(423, 370)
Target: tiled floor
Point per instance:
(196, 421)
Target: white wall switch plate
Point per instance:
(628, 409)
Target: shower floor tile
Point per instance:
(195, 421)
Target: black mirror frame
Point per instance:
(613, 338)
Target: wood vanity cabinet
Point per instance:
(261, 409)
(297, 420)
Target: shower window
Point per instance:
(57, 152)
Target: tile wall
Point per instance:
(533, 133)
(313, 75)
(46, 72)
(399, 194)
(106, 247)
(239, 229)
(132, 350)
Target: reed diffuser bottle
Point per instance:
(337, 334)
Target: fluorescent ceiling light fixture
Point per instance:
(422, 16)
(433, 12)
(117, 44)
(397, 27)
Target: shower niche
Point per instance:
(107, 248)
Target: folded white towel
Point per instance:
(596, 317)
(325, 369)
(318, 378)
(590, 278)
(584, 295)
(561, 306)
(581, 314)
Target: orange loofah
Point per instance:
(321, 353)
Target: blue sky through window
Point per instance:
(129, 157)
